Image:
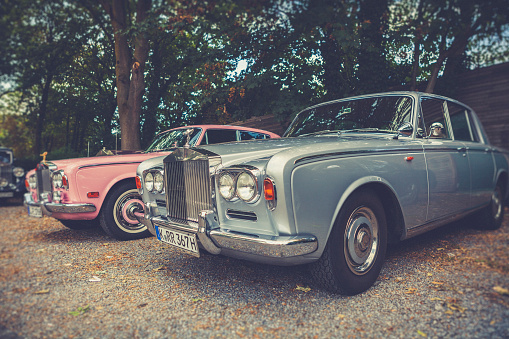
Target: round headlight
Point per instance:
(226, 186)
(32, 182)
(57, 180)
(18, 172)
(149, 182)
(3, 182)
(246, 186)
(158, 182)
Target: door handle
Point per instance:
(462, 149)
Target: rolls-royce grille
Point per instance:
(188, 189)
(6, 173)
(43, 180)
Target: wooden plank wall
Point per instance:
(486, 90)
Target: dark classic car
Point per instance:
(84, 192)
(12, 183)
(348, 177)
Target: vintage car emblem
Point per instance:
(44, 157)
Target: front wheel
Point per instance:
(355, 251)
(117, 213)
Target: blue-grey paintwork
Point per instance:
(314, 175)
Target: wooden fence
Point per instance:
(486, 90)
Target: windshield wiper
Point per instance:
(327, 131)
(368, 129)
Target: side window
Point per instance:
(216, 136)
(433, 114)
(247, 135)
(460, 122)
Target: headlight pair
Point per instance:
(59, 179)
(32, 182)
(154, 181)
(242, 184)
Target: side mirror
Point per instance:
(405, 129)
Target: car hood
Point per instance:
(71, 165)
(247, 151)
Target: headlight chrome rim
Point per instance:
(149, 182)
(158, 182)
(227, 184)
(57, 180)
(32, 182)
(246, 186)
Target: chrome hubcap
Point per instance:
(361, 240)
(125, 207)
(496, 204)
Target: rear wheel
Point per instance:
(490, 218)
(355, 251)
(117, 213)
(79, 224)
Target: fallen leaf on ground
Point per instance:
(302, 288)
(42, 292)
(422, 334)
(501, 290)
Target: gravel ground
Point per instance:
(449, 283)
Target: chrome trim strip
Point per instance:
(280, 247)
(362, 153)
(70, 208)
(112, 163)
(420, 229)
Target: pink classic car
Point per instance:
(82, 192)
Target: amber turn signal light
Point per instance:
(268, 189)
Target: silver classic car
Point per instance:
(348, 177)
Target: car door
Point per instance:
(480, 158)
(446, 161)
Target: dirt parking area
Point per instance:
(60, 283)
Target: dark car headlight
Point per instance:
(18, 172)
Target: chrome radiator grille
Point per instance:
(187, 189)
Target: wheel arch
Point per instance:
(118, 183)
(387, 196)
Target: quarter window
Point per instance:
(460, 122)
(248, 135)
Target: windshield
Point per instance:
(5, 157)
(174, 138)
(377, 114)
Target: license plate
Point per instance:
(6, 194)
(35, 211)
(184, 240)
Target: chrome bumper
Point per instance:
(213, 239)
(48, 208)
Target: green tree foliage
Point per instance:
(82, 71)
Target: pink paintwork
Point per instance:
(102, 173)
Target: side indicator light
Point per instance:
(138, 182)
(268, 189)
(93, 194)
(409, 158)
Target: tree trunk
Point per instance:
(130, 87)
(42, 114)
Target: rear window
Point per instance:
(216, 136)
(248, 135)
